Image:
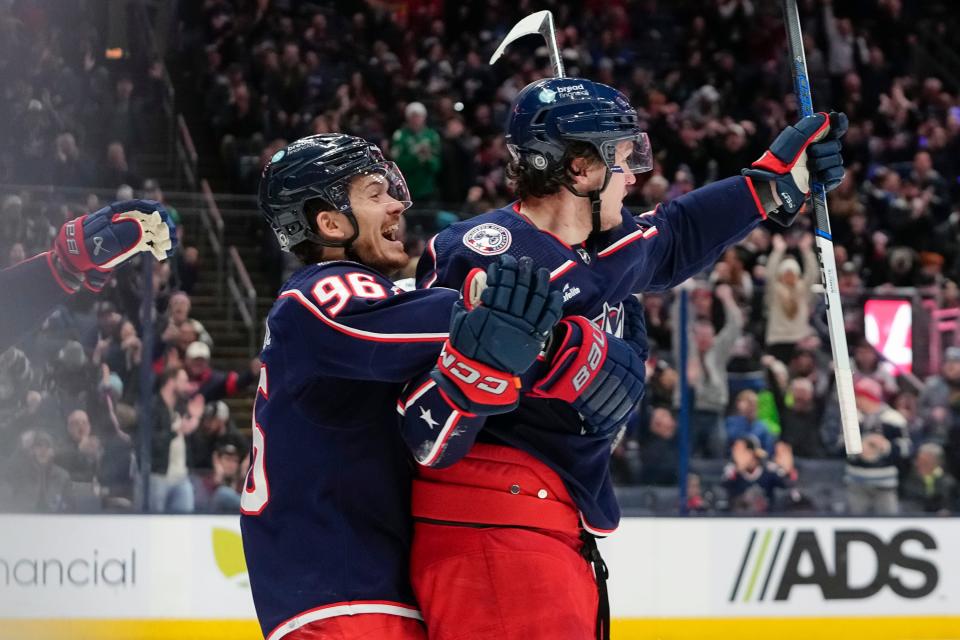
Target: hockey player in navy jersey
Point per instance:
(500, 528)
(85, 252)
(325, 510)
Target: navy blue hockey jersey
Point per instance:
(29, 292)
(325, 513)
(650, 252)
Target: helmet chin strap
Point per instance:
(595, 202)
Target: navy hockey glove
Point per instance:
(807, 152)
(491, 344)
(597, 374)
(88, 247)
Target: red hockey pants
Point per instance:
(523, 578)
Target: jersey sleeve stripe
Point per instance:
(360, 333)
(562, 269)
(639, 234)
(343, 609)
(433, 255)
(442, 439)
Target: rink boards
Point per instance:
(136, 577)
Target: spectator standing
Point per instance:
(458, 167)
(214, 384)
(745, 423)
(215, 425)
(31, 481)
(170, 488)
(841, 47)
(800, 420)
(707, 372)
(929, 488)
(750, 480)
(82, 454)
(117, 171)
(940, 397)
(788, 296)
(218, 491)
(659, 454)
(416, 150)
(873, 476)
(867, 364)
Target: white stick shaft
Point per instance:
(838, 345)
(828, 265)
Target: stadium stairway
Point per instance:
(231, 350)
(211, 297)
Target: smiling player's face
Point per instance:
(378, 214)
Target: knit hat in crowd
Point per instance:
(869, 389)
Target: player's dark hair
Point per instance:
(310, 252)
(531, 182)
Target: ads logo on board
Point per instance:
(772, 564)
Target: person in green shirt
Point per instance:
(416, 150)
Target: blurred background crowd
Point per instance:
(710, 80)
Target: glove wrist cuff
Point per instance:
(474, 386)
(69, 279)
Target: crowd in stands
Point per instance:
(710, 81)
(71, 409)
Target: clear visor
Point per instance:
(628, 155)
(381, 183)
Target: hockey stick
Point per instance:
(540, 22)
(825, 256)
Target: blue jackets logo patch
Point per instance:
(488, 239)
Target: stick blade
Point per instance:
(530, 25)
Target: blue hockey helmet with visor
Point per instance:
(322, 167)
(547, 115)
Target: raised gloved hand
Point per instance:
(599, 375)
(490, 344)
(88, 247)
(805, 153)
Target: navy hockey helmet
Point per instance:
(321, 166)
(547, 115)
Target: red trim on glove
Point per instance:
(72, 248)
(453, 405)
(756, 198)
(481, 384)
(575, 365)
(770, 162)
(115, 220)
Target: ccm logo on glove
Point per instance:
(464, 372)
